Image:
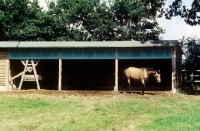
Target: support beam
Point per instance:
(7, 74)
(22, 78)
(18, 75)
(60, 75)
(35, 74)
(174, 71)
(116, 72)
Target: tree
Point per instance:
(190, 15)
(191, 51)
(18, 19)
(190, 46)
(75, 20)
(12, 13)
(114, 20)
(136, 19)
(24, 20)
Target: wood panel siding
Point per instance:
(178, 67)
(2, 72)
(3, 67)
(3, 54)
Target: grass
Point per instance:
(30, 112)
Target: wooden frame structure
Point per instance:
(115, 50)
(29, 66)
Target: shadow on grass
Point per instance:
(137, 92)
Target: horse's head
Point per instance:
(157, 76)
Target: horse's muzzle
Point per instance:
(159, 81)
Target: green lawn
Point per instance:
(112, 112)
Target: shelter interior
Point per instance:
(93, 74)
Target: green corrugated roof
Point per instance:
(84, 44)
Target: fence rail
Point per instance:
(192, 77)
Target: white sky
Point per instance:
(175, 28)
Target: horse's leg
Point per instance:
(131, 90)
(144, 86)
(125, 85)
(129, 84)
(125, 82)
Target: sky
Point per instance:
(175, 28)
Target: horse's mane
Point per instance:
(149, 68)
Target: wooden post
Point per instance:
(60, 75)
(22, 77)
(174, 71)
(35, 74)
(7, 75)
(18, 75)
(192, 79)
(116, 71)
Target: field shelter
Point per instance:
(86, 65)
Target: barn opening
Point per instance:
(46, 69)
(164, 65)
(92, 74)
(88, 74)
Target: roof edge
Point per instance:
(85, 44)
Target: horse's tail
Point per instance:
(124, 76)
(124, 79)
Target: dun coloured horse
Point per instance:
(141, 74)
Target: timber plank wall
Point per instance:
(3, 67)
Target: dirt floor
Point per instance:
(91, 93)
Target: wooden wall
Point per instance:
(4, 66)
(178, 67)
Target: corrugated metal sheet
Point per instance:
(85, 44)
(89, 50)
(34, 53)
(88, 53)
(92, 53)
(145, 53)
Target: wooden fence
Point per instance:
(191, 78)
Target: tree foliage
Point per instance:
(191, 51)
(80, 20)
(190, 46)
(137, 19)
(190, 15)
(85, 20)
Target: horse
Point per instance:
(141, 74)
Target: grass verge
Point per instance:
(100, 113)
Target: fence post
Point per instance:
(192, 79)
